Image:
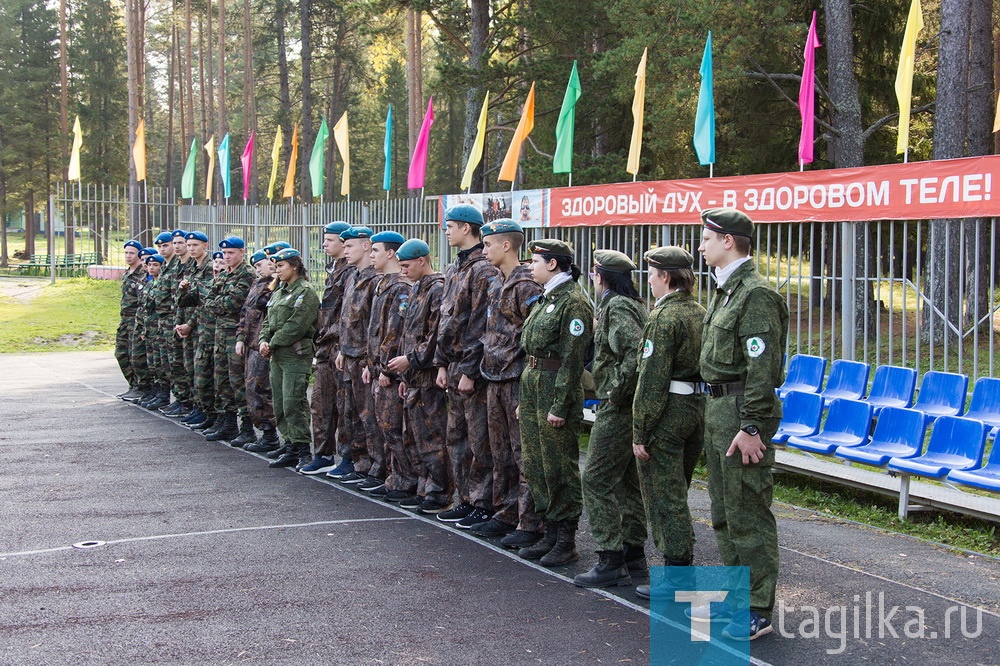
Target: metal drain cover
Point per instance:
(83, 545)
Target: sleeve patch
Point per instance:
(576, 327)
(755, 347)
(298, 301)
(647, 349)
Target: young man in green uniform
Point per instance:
(260, 403)
(180, 367)
(146, 332)
(741, 360)
(194, 290)
(132, 283)
(163, 304)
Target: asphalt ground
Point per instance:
(207, 556)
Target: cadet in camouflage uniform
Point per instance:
(286, 338)
(325, 399)
(556, 336)
(611, 489)
(205, 417)
(138, 353)
(257, 374)
(147, 329)
(459, 353)
(191, 299)
(173, 274)
(510, 297)
(163, 304)
(741, 359)
(132, 282)
(184, 312)
(668, 412)
(351, 359)
(425, 404)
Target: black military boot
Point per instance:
(289, 457)
(542, 547)
(228, 430)
(195, 416)
(680, 577)
(565, 550)
(246, 436)
(635, 560)
(207, 423)
(267, 443)
(609, 571)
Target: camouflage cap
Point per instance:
(551, 246)
(614, 261)
(669, 256)
(502, 226)
(727, 221)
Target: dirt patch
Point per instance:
(22, 290)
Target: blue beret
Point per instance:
(147, 251)
(158, 258)
(388, 237)
(163, 237)
(134, 243)
(412, 249)
(287, 253)
(178, 233)
(273, 248)
(356, 232)
(257, 256)
(218, 255)
(232, 243)
(501, 226)
(197, 235)
(336, 228)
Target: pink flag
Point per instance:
(418, 163)
(807, 96)
(247, 161)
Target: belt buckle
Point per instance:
(715, 390)
(533, 362)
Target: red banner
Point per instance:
(916, 191)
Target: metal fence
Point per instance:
(914, 293)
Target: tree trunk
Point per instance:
(177, 73)
(29, 224)
(133, 58)
(171, 83)
(188, 77)
(210, 96)
(414, 78)
(249, 93)
(63, 91)
(223, 127)
(284, 93)
(203, 82)
(478, 35)
(306, 133)
(4, 256)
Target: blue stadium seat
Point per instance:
(985, 403)
(942, 394)
(805, 373)
(899, 433)
(848, 379)
(956, 444)
(848, 424)
(892, 386)
(801, 415)
(986, 477)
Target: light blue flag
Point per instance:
(387, 177)
(224, 166)
(704, 122)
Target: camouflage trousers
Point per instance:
(290, 384)
(139, 358)
(512, 500)
(468, 443)
(156, 355)
(123, 347)
(323, 404)
(204, 368)
(257, 377)
(610, 487)
(345, 424)
(551, 456)
(230, 386)
(425, 426)
(358, 405)
(400, 470)
(180, 380)
(745, 528)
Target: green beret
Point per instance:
(286, 254)
(501, 226)
(275, 247)
(669, 256)
(614, 261)
(259, 255)
(336, 228)
(412, 249)
(551, 246)
(727, 221)
(355, 233)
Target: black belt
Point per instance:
(549, 364)
(722, 390)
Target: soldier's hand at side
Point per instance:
(184, 284)
(399, 365)
(366, 376)
(466, 385)
(339, 361)
(265, 350)
(402, 390)
(640, 452)
(442, 379)
(183, 330)
(749, 446)
(383, 380)
(240, 348)
(555, 421)
(517, 413)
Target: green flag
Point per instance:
(317, 161)
(187, 180)
(562, 162)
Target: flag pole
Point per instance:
(634, 176)
(570, 179)
(711, 169)
(906, 155)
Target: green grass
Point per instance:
(73, 314)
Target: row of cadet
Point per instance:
(459, 395)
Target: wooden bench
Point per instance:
(40, 264)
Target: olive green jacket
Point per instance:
(617, 340)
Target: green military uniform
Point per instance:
(192, 302)
(140, 349)
(204, 354)
(132, 285)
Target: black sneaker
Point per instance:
(277, 453)
(520, 539)
(491, 528)
(353, 479)
(381, 491)
(397, 496)
(475, 517)
(430, 507)
(371, 483)
(411, 502)
(457, 513)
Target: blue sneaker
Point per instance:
(746, 626)
(345, 467)
(318, 465)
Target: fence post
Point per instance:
(848, 289)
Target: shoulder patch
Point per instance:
(755, 347)
(647, 348)
(576, 327)
(298, 301)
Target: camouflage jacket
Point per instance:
(559, 327)
(132, 285)
(291, 318)
(253, 313)
(385, 329)
(145, 313)
(617, 340)
(743, 340)
(206, 318)
(463, 312)
(227, 303)
(356, 313)
(670, 350)
(508, 304)
(420, 326)
(338, 275)
(170, 276)
(191, 301)
(163, 295)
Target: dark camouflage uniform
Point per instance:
(191, 302)
(611, 489)
(460, 350)
(257, 369)
(226, 305)
(204, 354)
(558, 328)
(359, 400)
(180, 381)
(508, 304)
(385, 332)
(425, 408)
(144, 324)
(670, 425)
(132, 283)
(193, 272)
(328, 385)
(743, 341)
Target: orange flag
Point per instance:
(508, 171)
(290, 178)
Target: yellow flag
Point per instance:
(139, 152)
(275, 155)
(996, 119)
(210, 180)
(476, 155)
(290, 178)
(638, 111)
(904, 75)
(508, 171)
(340, 138)
(74, 158)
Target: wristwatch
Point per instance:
(751, 430)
